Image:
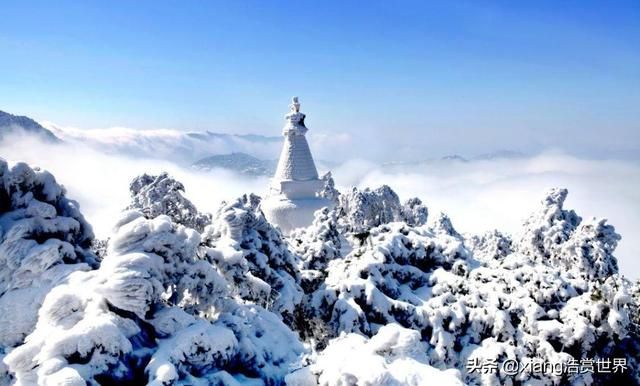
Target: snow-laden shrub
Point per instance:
(380, 295)
(245, 342)
(395, 356)
(559, 238)
(318, 244)
(161, 194)
(329, 190)
(43, 238)
(360, 210)
(253, 257)
(152, 312)
(162, 257)
(491, 247)
(522, 302)
(383, 281)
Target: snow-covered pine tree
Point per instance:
(153, 312)
(554, 296)
(254, 257)
(43, 238)
(161, 194)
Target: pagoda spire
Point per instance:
(294, 194)
(296, 162)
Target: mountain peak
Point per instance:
(17, 124)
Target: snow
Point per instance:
(43, 238)
(296, 192)
(155, 195)
(372, 292)
(394, 356)
(296, 162)
(361, 210)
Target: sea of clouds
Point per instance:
(478, 195)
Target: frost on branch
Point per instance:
(153, 312)
(560, 238)
(329, 190)
(491, 247)
(161, 194)
(317, 245)
(384, 282)
(490, 299)
(253, 257)
(360, 210)
(43, 238)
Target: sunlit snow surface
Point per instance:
(376, 291)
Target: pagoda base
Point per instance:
(291, 213)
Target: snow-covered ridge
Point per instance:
(180, 297)
(19, 125)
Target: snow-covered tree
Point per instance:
(153, 312)
(360, 210)
(559, 238)
(161, 194)
(253, 256)
(380, 295)
(43, 238)
(329, 190)
(319, 243)
(491, 247)
(520, 302)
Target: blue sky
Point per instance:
(424, 77)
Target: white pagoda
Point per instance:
(294, 192)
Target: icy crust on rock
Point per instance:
(161, 194)
(43, 238)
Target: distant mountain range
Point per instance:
(181, 147)
(241, 163)
(246, 154)
(14, 124)
(501, 154)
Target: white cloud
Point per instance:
(100, 182)
(478, 196)
(484, 195)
